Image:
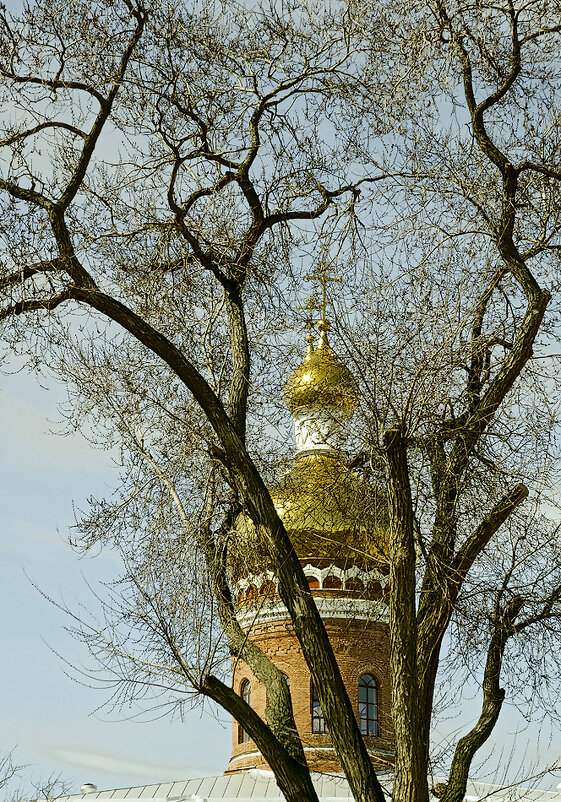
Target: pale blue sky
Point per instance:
(43, 712)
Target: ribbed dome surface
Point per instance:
(329, 512)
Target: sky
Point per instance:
(46, 714)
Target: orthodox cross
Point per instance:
(321, 274)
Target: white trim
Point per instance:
(243, 756)
(370, 750)
(328, 607)
(326, 748)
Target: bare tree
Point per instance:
(164, 173)
(8, 769)
(15, 786)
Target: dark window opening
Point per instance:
(318, 721)
(368, 705)
(245, 693)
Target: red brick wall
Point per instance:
(360, 647)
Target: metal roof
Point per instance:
(260, 786)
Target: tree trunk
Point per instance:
(293, 778)
(411, 783)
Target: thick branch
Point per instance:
(292, 777)
(239, 344)
(106, 105)
(545, 613)
(29, 195)
(442, 583)
(19, 276)
(411, 748)
(278, 709)
(477, 110)
(539, 168)
(53, 83)
(484, 532)
(41, 127)
(437, 601)
(500, 385)
(478, 347)
(46, 305)
(293, 587)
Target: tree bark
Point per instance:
(411, 769)
(493, 696)
(293, 587)
(293, 778)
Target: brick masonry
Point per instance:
(361, 647)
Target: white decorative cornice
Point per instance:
(266, 610)
(390, 753)
(257, 581)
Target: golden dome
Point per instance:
(321, 380)
(330, 512)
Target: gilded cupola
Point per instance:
(329, 511)
(337, 522)
(321, 380)
(322, 396)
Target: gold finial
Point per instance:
(323, 326)
(321, 274)
(310, 305)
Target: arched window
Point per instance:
(318, 721)
(368, 705)
(245, 693)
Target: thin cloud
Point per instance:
(96, 762)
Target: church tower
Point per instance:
(338, 526)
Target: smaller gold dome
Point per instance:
(321, 380)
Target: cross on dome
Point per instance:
(321, 274)
(310, 305)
